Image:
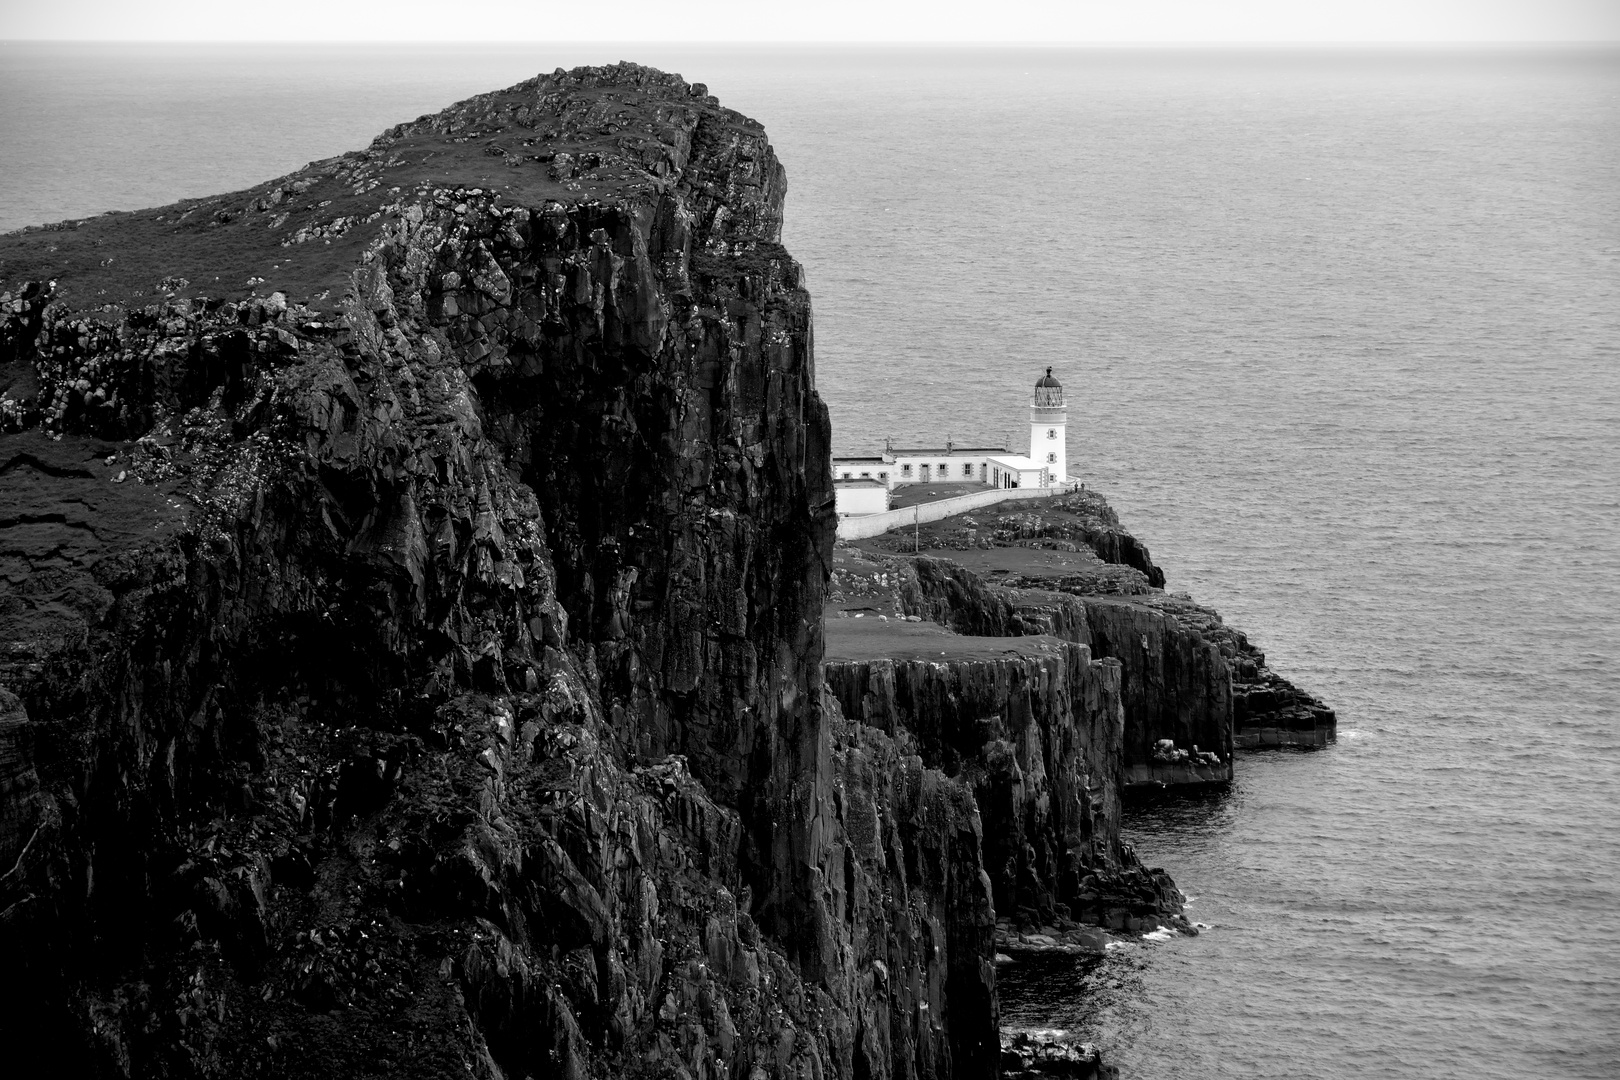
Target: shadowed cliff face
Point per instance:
(1015, 707)
(1038, 738)
(416, 669)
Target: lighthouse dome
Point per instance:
(1048, 392)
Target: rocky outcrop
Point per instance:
(944, 592)
(1192, 688)
(1037, 737)
(1115, 563)
(1267, 709)
(1175, 682)
(1177, 689)
(1171, 679)
(415, 669)
(1204, 687)
(1024, 1057)
(1090, 521)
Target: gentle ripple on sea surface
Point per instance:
(1341, 335)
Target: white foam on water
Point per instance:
(1163, 933)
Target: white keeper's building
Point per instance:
(863, 485)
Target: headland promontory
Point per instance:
(424, 649)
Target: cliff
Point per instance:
(410, 637)
(1191, 687)
(1037, 737)
(1023, 715)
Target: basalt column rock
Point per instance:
(1038, 739)
(908, 881)
(1177, 689)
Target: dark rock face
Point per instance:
(421, 675)
(1175, 681)
(1202, 685)
(1187, 678)
(1038, 739)
(909, 885)
(1267, 709)
(1177, 687)
(1009, 728)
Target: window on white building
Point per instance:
(1051, 459)
(944, 469)
(883, 476)
(905, 470)
(866, 476)
(1051, 433)
(967, 470)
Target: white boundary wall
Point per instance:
(865, 525)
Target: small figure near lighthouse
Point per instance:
(867, 484)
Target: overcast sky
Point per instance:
(1034, 21)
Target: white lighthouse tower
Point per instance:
(1048, 429)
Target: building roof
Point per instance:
(861, 460)
(938, 451)
(860, 482)
(1047, 380)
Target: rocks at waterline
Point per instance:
(1035, 1056)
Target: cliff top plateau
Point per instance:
(622, 134)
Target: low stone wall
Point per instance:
(865, 525)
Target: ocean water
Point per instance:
(1341, 334)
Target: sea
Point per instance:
(1340, 333)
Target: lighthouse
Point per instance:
(940, 472)
(1048, 428)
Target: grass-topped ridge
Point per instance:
(614, 134)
